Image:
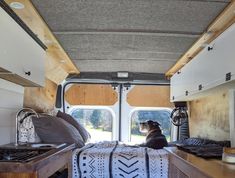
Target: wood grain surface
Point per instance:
(209, 116)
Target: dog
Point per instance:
(154, 139)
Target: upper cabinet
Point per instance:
(22, 55)
(212, 67)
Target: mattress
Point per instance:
(114, 159)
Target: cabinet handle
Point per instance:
(199, 87)
(28, 73)
(186, 93)
(209, 48)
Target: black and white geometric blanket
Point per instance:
(114, 160)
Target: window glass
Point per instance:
(162, 116)
(98, 122)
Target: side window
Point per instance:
(98, 122)
(162, 116)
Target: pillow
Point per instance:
(84, 133)
(52, 129)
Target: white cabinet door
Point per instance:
(176, 87)
(208, 69)
(19, 53)
(223, 54)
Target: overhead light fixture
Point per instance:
(17, 5)
(122, 75)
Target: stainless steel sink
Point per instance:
(25, 152)
(46, 145)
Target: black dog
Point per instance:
(154, 139)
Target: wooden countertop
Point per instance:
(37, 163)
(211, 167)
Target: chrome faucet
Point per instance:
(28, 112)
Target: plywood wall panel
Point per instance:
(90, 94)
(149, 96)
(209, 116)
(42, 99)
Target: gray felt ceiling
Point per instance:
(127, 35)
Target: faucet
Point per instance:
(29, 112)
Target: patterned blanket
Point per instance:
(112, 159)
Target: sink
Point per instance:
(26, 152)
(46, 145)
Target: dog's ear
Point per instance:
(156, 123)
(150, 122)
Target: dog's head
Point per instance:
(149, 125)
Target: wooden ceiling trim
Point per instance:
(218, 26)
(55, 51)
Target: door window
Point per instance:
(162, 116)
(98, 122)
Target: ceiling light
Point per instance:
(122, 74)
(16, 5)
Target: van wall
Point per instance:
(10, 102)
(209, 116)
(41, 99)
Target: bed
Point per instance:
(113, 159)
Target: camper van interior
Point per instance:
(117, 88)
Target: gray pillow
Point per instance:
(52, 129)
(84, 133)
